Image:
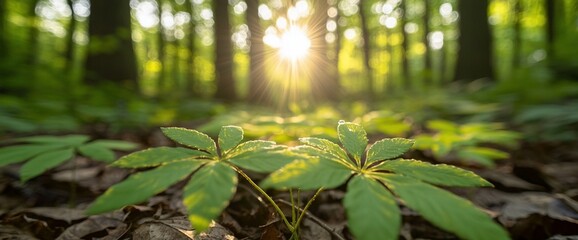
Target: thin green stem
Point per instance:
(291, 228)
(293, 213)
(296, 226)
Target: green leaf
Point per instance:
(439, 174)
(229, 137)
(156, 156)
(248, 147)
(444, 209)
(141, 186)
(320, 153)
(372, 212)
(74, 140)
(208, 193)
(311, 173)
(265, 160)
(353, 138)
(388, 149)
(97, 152)
(191, 138)
(14, 154)
(39, 164)
(326, 145)
(115, 144)
(482, 155)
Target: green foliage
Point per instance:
(371, 209)
(466, 142)
(46, 152)
(549, 122)
(214, 178)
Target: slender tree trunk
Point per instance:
(517, 42)
(191, 85)
(337, 50)
(428, 69)
(551, 23)
(225, 82)
(3, 31)
(405, 74)
(161, 53)
(475, 42)
(33, 34)
(176, 68)
(259, 91)
(388, 86)
(70, 45)
(366, 52)
(110, 50)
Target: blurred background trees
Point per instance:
(239, 50)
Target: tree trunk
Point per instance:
(3, 32)
(405, 75)
(475, 42)
(33, 34)
(161, 50)
(517, 59)
(191, 85)
(366, 52)
(323, 82)
(110, 55)
(428, 69)
(70, 46)
(225, 82)
(259, 92)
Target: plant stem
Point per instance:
(318, 221)
(291, 228)
(306, 207)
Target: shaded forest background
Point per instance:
(64, 64)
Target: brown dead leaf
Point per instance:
(92, 225)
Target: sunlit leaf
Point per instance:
(317, 152)
(229, 137)
(372, 211)
(14, 154)
(444, 209)
(191, 138)
(325, 145)
(97, 152)
(388, 148)
(311, 173)
(248, 147)
(39, 164)
(208, 193)
(141, 186)
(482, 155)
(353, 138)
(439, 174)
(115, 144)
(155, 156)
(264, 160)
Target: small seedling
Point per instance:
(46, 152)
(214, 169)
(377, 176)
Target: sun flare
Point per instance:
(294, 44)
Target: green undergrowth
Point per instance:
(378, 180)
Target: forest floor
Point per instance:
(535, 197)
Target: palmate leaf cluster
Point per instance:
(212, 166)
(377, 178)
(46, 152)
